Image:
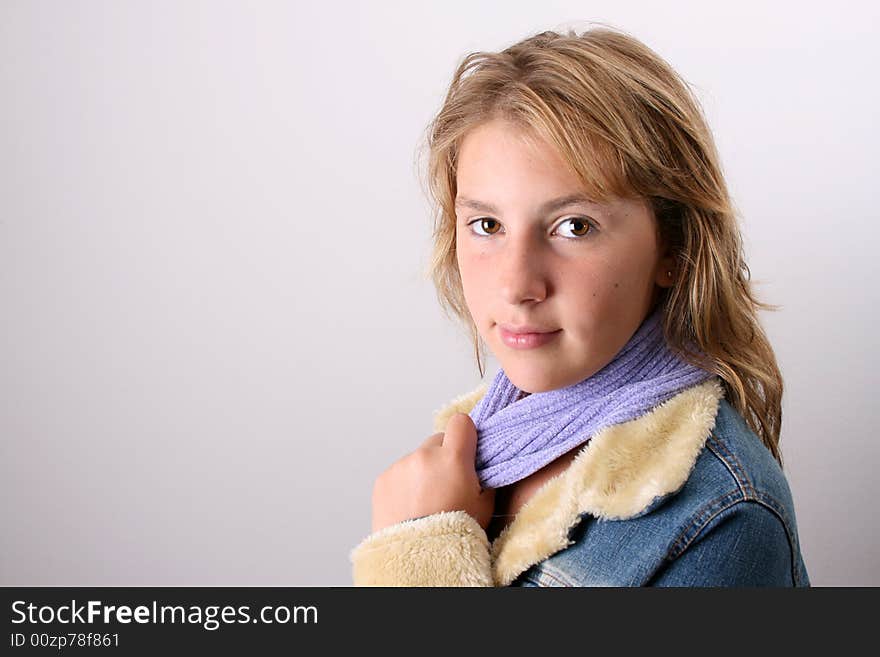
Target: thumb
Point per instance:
(461, 436)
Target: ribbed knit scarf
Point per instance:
(518, 436)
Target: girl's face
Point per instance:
(584, 270)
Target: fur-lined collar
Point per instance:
(622, 472)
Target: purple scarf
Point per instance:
(516, 437)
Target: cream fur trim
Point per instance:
(617, 474)
(461, 404)
(444, 549)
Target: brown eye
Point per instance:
(579, 227)
(489, 225)
(488, 222)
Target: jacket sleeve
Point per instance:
(443, 549)
(745, 545)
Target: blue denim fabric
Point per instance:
(732, 523)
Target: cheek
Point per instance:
(615, 293)
(599, 286)
(473, 281)
(592, 280)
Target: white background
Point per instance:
(216, 330)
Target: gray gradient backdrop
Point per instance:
(215, 328)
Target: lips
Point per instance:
(525, 328)
(526, 337)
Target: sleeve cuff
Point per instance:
(443, 549)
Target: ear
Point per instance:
(661, 277)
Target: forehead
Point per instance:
(501, 140)
(502, 158)
(500, 154)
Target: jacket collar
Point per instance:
(623, 471)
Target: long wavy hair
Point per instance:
(628, 125)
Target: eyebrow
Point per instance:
(549, 206)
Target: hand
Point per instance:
(438, 476)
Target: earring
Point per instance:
(669, 274)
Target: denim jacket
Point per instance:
(685, 495)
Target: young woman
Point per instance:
(585, 234)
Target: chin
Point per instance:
(532, 380)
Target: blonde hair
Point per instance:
(628, 126)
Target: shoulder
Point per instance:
(735, 466)
(736, 515)
(655, 501)
(734, 478)
(731, 523)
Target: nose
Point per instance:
(522, 272)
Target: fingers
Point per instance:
(461, 436)
(435, 440)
